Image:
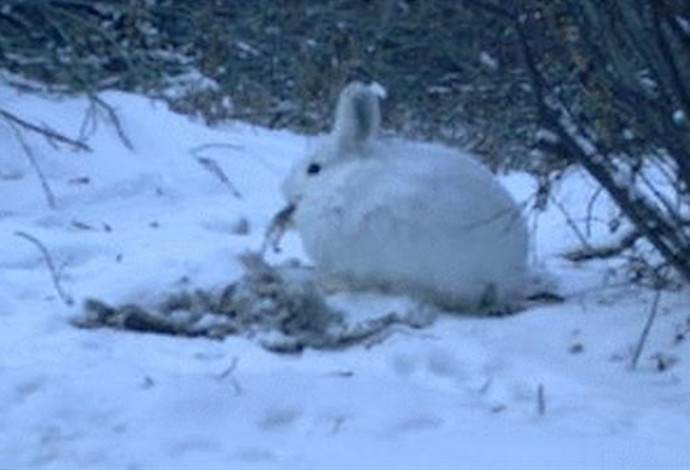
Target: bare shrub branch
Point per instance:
(98, 102)
(212, 166)
(28, 151)
(47, 132)
(541, 400)
(52, 269)
(610, 250)
(654, 310)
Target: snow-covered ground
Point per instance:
(550, 387)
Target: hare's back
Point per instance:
(430, 184)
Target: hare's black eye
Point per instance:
(313, 169)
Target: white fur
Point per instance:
(406, 217)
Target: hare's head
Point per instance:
(357, 120)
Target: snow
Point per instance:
(679, 116)
(488, 60)
(462, 393)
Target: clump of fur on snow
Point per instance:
(281, 306)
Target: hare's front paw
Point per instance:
(499, 311)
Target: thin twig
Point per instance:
(647, 328)
(572, 224)
(212, 166)
(541, 400)
(88, 123)
(228, 373)
(200, 148)
(590, 209)
(52, 269)
(45, 131)
(113, 118)
(338, 424)
(606, 251)
(28, 151)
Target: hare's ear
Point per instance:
(358, 116)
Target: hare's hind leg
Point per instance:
(490, 305)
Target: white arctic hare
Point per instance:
(405, 217)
